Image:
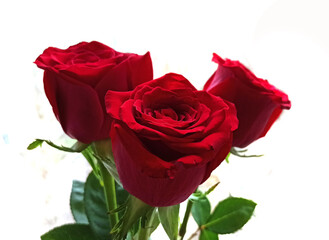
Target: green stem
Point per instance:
(182, 229)
(110, 194)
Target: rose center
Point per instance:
(166, 113)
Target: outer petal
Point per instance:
(126, 75)
(219, 158)
(258, 103)
(140, 69)
(76, 106)
(170, 81)
(255, 113)
(114, 101)
(137, 167)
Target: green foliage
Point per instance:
(230, 215)
(153, 220)
(121, 193)
(208, 235)
(35, 144)
(88, 205)
(137, 219)
(130, 222)
(77, 202)
(169, 218)
(95, 207)
(76, 148)
(70, 232)
(201, 210)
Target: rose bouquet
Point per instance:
(152, 142)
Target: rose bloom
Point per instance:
(167, 137)
(76, 80)
(258, 103)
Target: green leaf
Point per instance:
(96, 210)
(76, 148)
(70, 232)
(35, 144)
(77, 202)
(230, 215)
(208, 235)
(201, 210)
(169, 218)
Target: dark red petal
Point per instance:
(255, 113)
(77, 107)
(220, 75)
(113, 102)
(124, 76)
(115, 79)
(219, 158)
(158, 117)
(154, 181)
(258, 103)
(223, 123)
(170, 81)
(208, 143)
(89, 75)
(140, 69)
(122, 139)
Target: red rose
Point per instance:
(167, 137)
(77, 79)
(258, 103)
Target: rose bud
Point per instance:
(77, 79)
(167, 137)
(258, 103)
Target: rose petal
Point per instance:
(140, 69)
(113, 102)
(142, 159)
(258, 103)
(137, 168)
(169, 82)
(77, 108)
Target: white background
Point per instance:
(284, 41)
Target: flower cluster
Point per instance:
(167, 137)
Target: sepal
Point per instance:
(238, 153)
(102, 151)
(134, 210)
(169, 218)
